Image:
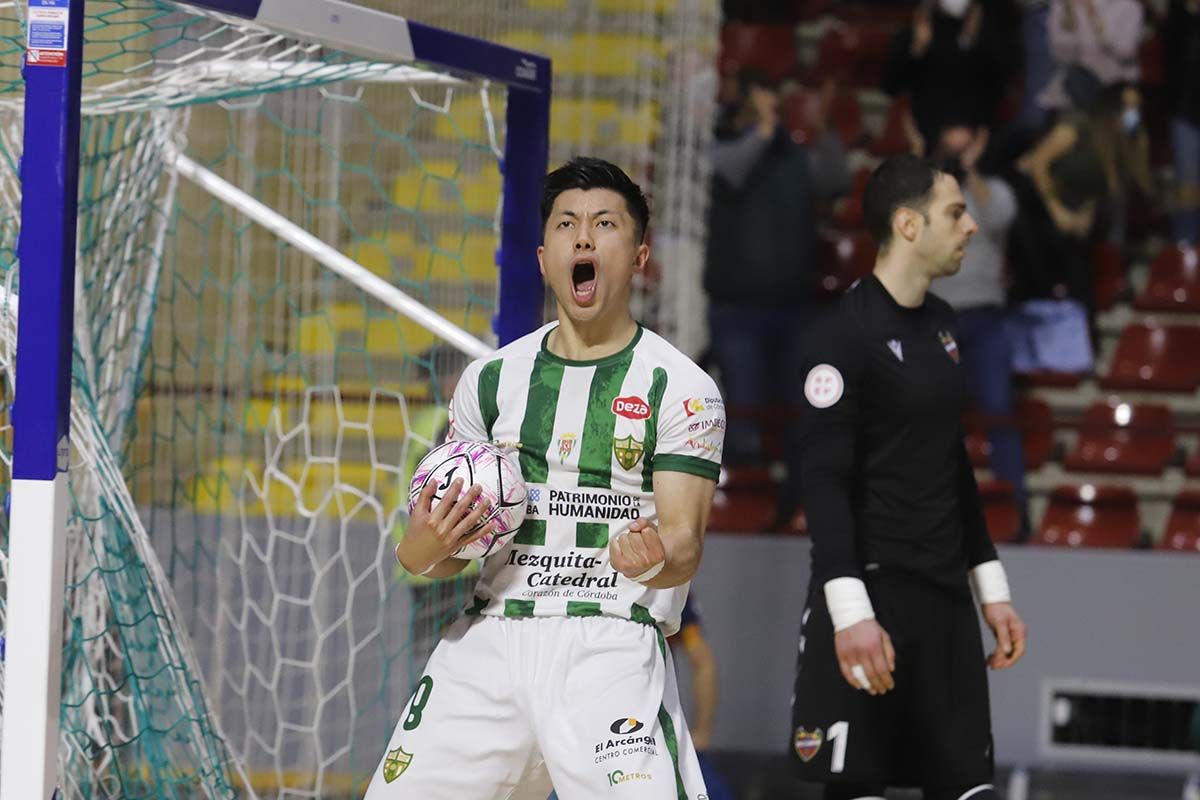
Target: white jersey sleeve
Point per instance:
(691, 427)
(466, 417)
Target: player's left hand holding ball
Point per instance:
(638, 554)
(1009, 629)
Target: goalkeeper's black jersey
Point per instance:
(886, 480)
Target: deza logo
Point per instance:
(631, 408)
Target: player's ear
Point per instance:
(641, 257)
(907, 223)
(541, 264)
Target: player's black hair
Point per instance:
(585, 172)
(904, 180)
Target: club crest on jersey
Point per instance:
(395, 763)
(808, 743)
(628, 451)
(566, 444)
(631, 407)
(950, 345)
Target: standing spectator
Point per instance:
(952, 60)
(1181, 44)
(1099, 36)
(760, 269)
(1060, 184)
(977, 294)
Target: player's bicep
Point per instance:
(683, 501)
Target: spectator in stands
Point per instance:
(1039, 66)
(1099, 36)
(953, 61)
(977, 293)
(1181, 45)
(760, 269)
(1060, 184)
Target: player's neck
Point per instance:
(903, 279)
(589, 341)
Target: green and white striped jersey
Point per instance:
(591, 436)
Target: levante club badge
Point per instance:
(808, 743)
(950, 345)
(395, 763)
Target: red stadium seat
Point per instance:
(1091, 516)
(871, 53)
(1118, 437)
(771, 48)
(742, 511)
(892, 140)
(837, 52)
(1035, 421)
(1111, 283)
(1156, 357)
(849, 213)
(844, 259)
(1000, 510)
(1183, 527)
(1174, 283)
(846, 118)
(1192, 467)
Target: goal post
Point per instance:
(159, 492)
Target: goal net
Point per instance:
(247, 402)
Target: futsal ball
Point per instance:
(496, 471)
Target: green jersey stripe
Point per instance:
(489, 387)
(518, 608)
(596, 446)
(658, 386)
(664, 720)
(591, 534)
(532, 531)
(582, 608)
(538, 425)
(689, 464)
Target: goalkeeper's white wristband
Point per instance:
(848, 602)
(990, 583)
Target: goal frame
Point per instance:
(47, 251)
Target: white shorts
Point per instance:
(510, 708)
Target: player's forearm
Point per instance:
(683, 547)
(417, 562)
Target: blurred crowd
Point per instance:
(1071, 123)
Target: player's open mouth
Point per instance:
(583, 281)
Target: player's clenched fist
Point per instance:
(638, 553)
(866, 657)
(436, 532)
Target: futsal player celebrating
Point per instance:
(891, 687)
(559, 672)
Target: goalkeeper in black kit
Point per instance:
(891, 686)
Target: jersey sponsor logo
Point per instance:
(631, 407)
(706, 424)
(896, 348)
(564, 570)
(587, 505)
(566, 443)
(808, 743)
(395, 763)
(615, 748)
(628, 451)
(626, 726)
(617, 777)
(950, 345)
(694, 405)
(824, 386)
(703, 446)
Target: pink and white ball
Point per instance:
(496, 471)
